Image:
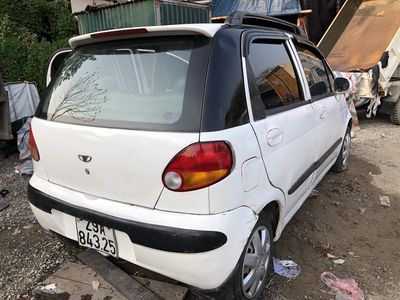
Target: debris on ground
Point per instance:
(4, 193)
(286, 268)
(384, 200)
(314, 194)
(51, 291)
(52, 288)
(344, 289)
(362, 210)
(4, 205)
(27, 227)
(95, 285)
(339, 261)
(330, 256)
(337, 190)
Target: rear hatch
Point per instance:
(117, 112)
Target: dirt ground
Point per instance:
(345, 220)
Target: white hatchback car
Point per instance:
(186, 149)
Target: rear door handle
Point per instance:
(274, 136)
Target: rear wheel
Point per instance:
(250, 275)
(395, 116)
(342, 161)
(256, 262)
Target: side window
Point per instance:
(272, 78)
(315, 71)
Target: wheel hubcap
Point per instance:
(256, 261)
(346, 149)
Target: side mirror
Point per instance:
(318, 88)
(341, 85)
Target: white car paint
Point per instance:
(207, 30)
(121, 166)
(212, 267)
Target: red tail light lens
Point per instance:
(32, 146)
(197, 166)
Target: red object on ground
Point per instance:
(346, 289)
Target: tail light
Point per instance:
(118, 33)
(197, 166)
(32, 146)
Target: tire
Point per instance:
(395, 116)
(342, 161)
(248, 281)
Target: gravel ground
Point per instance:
(27, 254)
(347, 220)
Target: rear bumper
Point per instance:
(200, 250)
(158, 237)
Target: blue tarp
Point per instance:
(263, 7)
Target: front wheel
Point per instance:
(342, 161)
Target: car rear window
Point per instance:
(148, 84)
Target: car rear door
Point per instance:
(117, 112)
(283, 120)
(328, 106)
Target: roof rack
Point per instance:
(238, 18)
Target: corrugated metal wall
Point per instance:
(172, 13)
(142, 13)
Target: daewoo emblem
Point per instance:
(85, 158)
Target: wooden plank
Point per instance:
(121, 281)
(80, 273)
(164, 290)
(76, 290)
(338, 25)
(74, 281)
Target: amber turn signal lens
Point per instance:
(198, 165)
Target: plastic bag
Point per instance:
(345, 289)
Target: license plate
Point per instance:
(96, 236)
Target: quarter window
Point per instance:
(272, 78)
(315, 71)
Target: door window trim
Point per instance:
(319, 55)
(249, 38)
